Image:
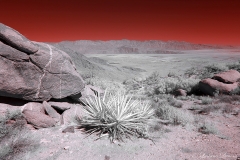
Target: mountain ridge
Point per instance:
(134, 46)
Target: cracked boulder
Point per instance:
(39, 76)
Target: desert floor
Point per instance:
(170, 142)
(165, 63)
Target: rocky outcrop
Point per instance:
(35, 71)
(224, 83)
(230, 76)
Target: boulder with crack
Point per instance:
(35, 71)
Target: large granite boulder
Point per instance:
(230, 76)
(35, 71)
(211, 86)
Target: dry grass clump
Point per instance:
(208, 128)
(172, 114)
(103, 84)
(206, 72)
(117, 116)
(205, 110)
(221, 108)
(231, 99)
(206, 100)
(173, 102)
(235, 66)
(230, 109)
(156, 85)
(14, 138)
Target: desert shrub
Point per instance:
(235, 66)
(210, 70)
(170, 85)
(174, 115)
(106, 84)
(172, 74)
(173, 102)
(195, 107)
(87, 75)
(207, 71)
(230, 109)
(206, 100)
(117, 116)
(192, 71)
(215, 68)
(207, 109)
(208, 128)
(14, 138)
(183, 98)
(228, 98)
(224, 108)
(153, 78)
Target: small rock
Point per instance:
(180, 92)
(89, 90)
(107, 157)
(38, 119)
(69, 116)
(69, 129)
(51, 111)
(30, 127)
(62, 106)
(33, 106)
(66, 147)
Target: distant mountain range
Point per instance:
(132, 46)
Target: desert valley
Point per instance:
(118, 100)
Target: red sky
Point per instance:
(197, 21)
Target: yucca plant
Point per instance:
(117, 116)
